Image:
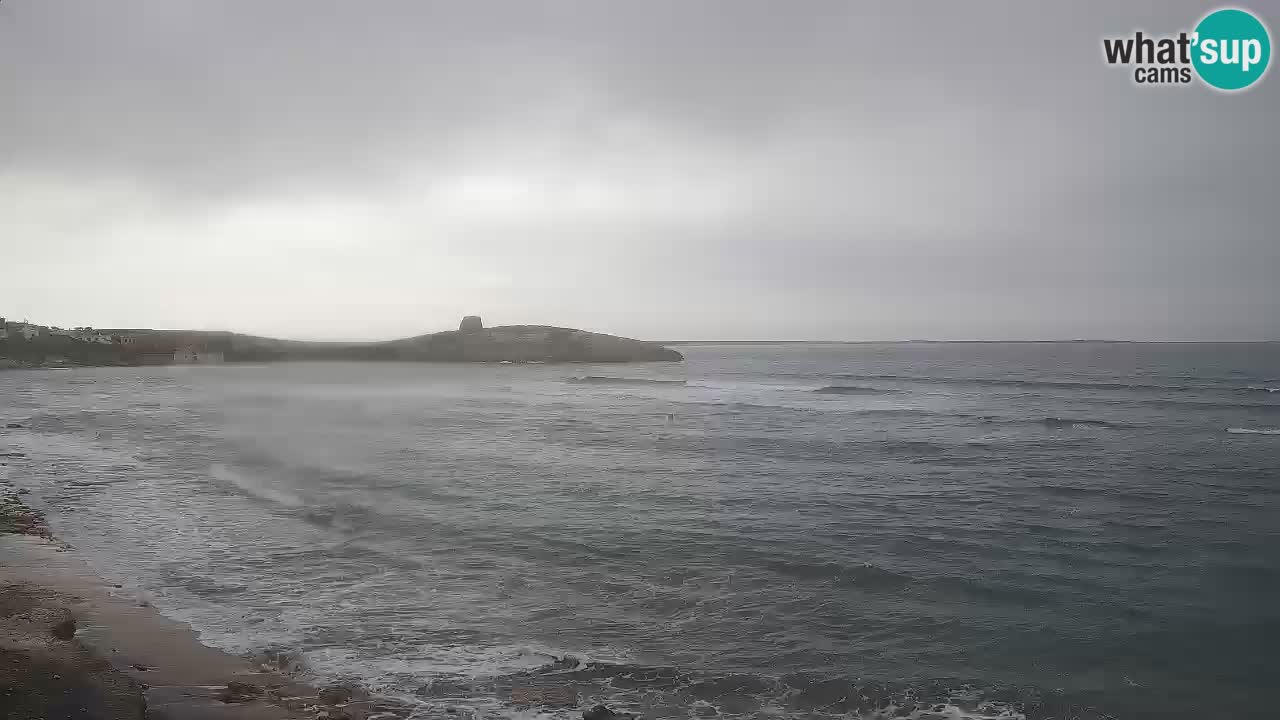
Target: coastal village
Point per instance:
(24, 344)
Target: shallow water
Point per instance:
(943, 530)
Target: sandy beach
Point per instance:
(75, 645)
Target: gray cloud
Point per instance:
(716, 170)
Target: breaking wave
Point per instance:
(1053, 423)
(604, 380)
(254, 487)
(852, 390)
(671, 692)
(1254, 431)
(1056, 384)
(1056, 422)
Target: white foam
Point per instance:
(254, 486)
(947, 711)
(1254, 431)
(953, 712)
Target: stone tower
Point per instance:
(470, 323)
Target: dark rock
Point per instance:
(140, 667)
(561, 695)
(24, 491)
(16, 426)
(444, 687)
(64, 630)
(240, 692)
(604, 712)
(334, 695)
(470, 323)
(281, 662)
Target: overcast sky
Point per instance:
(667, 170)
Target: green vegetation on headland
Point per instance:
(56, 351)
(511, 343)
(470, 343)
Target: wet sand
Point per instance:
(73, 645)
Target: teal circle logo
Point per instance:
(1231, 49)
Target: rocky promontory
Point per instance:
(471, 342)
(24, 346)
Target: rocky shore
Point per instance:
(73, 645)
(77, 646)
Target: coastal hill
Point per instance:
(471, 342)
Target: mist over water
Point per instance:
(995, 530)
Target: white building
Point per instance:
(89, 335)
(29, 331)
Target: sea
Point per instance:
(916, 530)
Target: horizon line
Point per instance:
(967, 341)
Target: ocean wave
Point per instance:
(728, 406)
(1055, 423)
(254, 487)
(1064, 423)
(605, 380)
(866, 575)
(1056, 384)
(664, 691)
(1254, 431)
(852, 390)
(1208, 405)
(433, 686)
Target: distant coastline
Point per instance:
(25, 345)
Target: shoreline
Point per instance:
(75, 645)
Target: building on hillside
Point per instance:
(4, 329)
(29, 331)
(170, 348)
(89, 335)
(146, 349)
(196, 352)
